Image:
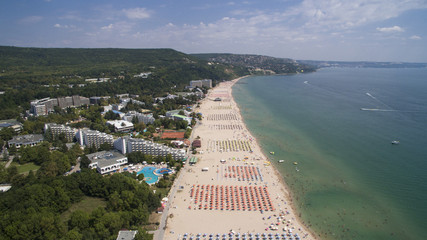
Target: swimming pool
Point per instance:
(149, 176)
(162, 171)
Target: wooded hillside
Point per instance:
(32, 73)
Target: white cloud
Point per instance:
(72, 15)
(31, 19)
(312, 20)
(137, 13)
(246, 13)
(346, 14)
(108, 27)
(319, 29)
(415, 37)
(393, 29)
(57, 25)
(203, 7)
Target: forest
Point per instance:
(33, 73)
(47, 196)
(259, 64)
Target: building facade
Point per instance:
(207, 83)
(121, 125)
(57, 129)
(94, 138)
(26, 140)
(12, 123)
(145, 118)
(106, 161)
(40, 107)
(154, 149)
(128, 145)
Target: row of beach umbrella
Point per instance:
(243, 173)
(240, 198)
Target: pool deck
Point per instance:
(140, 166)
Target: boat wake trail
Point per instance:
(388, 108)
(378, 110)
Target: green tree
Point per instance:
(105, 147)
(62, 137)
(141, 177)
(12, 171)
(12, 150)
(111, 222)
(151, 129)
(73, 234)
(48, 135)
(187, 133)
(49, 169)
(7, 133)
(79, 220)
(84, 162)
(143, 235)
(3, 174)
(139, 127)
(110, 115)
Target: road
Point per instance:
(5, 152)
(75, 169)
(159, 234)
(9, 162)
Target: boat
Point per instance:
(281, 161)
(272, 153)
(295, 163)
(395, 142)
(297, 169)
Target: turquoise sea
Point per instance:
(352, 182)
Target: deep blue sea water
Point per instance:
(352, 182)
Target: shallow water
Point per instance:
(352, 182)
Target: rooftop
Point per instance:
(118, 124)
(5, 187)
(25, 139)
(105, 158)
(9, 123)
(126, 235)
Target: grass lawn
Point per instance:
(87, 204)
(25, 168)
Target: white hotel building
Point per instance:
(95, 138)
(57, 129)
(106, 162)
(128, 145)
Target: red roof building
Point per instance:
(197, 143)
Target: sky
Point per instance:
(342, 30)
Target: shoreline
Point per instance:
(276, 171)
(225, 136)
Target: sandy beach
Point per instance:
(233, 189)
